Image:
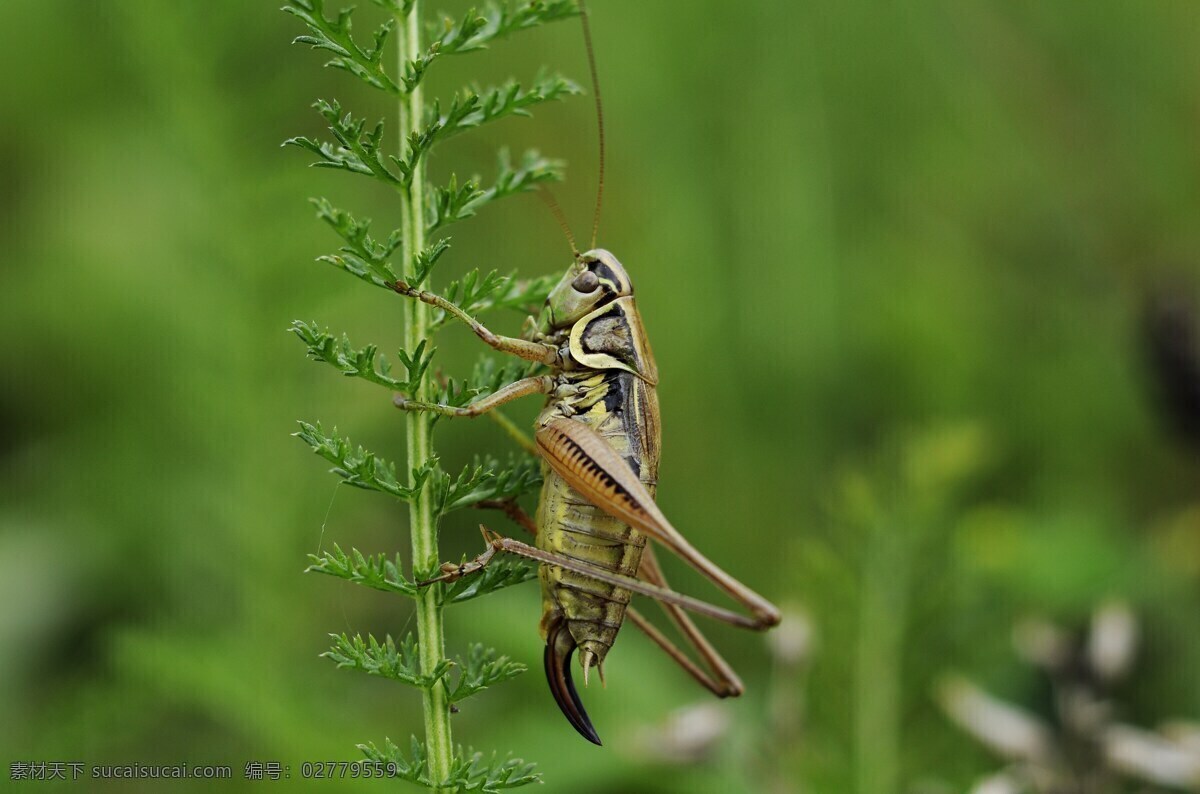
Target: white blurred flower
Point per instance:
(1009, 731)
(1152, 757)
(792, 641)
(1113, 641)
(688, 735)
(1002, 783)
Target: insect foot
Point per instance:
(452, 572)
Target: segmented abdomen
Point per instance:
(623, 410)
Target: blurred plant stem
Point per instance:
(879, 659)
(419, 425)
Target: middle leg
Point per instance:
(538, 384)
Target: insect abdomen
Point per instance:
(618, 406)
(570, 526)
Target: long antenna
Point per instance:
(587, 39)
(548, 197)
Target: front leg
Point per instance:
(522, 348)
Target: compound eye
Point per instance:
(587, 281)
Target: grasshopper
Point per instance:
(599, 440)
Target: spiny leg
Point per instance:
(560, 646)
(720, 679)
(522, 348)
(627, 582)
(538, 384)
(497, 543)
(723, 681)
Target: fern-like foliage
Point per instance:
(412, 766)
(473, 107)
(359, 467)
(425, 259)
(333, 35)
(501, 573)
(470, 770)
(481, 668)
(487, 480)
(355, 148)
(388, 659)
(453, 203)
(478, 293)
(410, 254)
(365, 362)
(362, 256)
(486, 377)
(476, 31)
(376, 571)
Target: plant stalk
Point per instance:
(419, 425)
(883, 617)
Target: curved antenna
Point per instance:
(587, 39)
(548, 197)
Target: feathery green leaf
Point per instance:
(363, 256)
(426, 259)
(486, 378)
(469, 770)
(361, 468)
(398, 662)
(452, 203)
(357, 149)
(475, 31)
(488, 480)
(481, 668)
(374, 571)
(472, 772)
(334, 35)
(473, 107)
(478, 293)
(364, 363)
(502, 572)
(413, 767)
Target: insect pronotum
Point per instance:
(598, 436)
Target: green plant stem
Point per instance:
(419, 425)
(879, 660)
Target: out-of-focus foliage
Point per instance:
(869, 240)
(1081, 744)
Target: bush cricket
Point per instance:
(598, 437)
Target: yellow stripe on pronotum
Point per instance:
(598, 436)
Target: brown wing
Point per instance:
(589, 464)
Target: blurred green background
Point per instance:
(893, 259)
